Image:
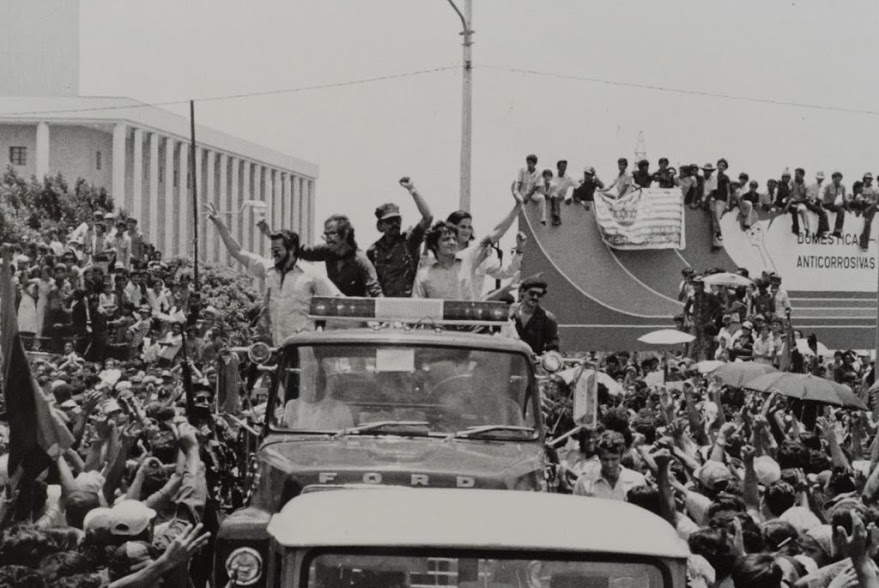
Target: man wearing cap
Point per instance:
(396, 253)
(585, 193)
(642, 176)
(290, 285)
(767, 199)
(743, 346)
(784, 189)
(688, 182)
(835, 199)
(748, 201)
(708, 183)
(813, 203)
(718, 199)
(535, 326)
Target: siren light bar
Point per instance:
(409, 310)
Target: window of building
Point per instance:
(98, 162)
(18, 155)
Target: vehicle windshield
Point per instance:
(407, 390)
(355, 570)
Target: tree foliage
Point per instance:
(28, 206)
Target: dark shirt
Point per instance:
(585, 192)
(664, 178)
(722, 193)
(782, 194)
(353, 273)
(541, 333)
(396, 260)
(642, 179)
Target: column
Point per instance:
(183, 172)
(195, 168)
(303, 211)
(223, 203)
(235, 201)
(137, 208)
(169, 202)
(150, 225)
(247, 217)
(210, 195)
(118, 178)
(294, 204)
(42, 155)
(265, 196)
(311, 189)
(284, 207)
(277, 219)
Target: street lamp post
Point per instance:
(467, 102)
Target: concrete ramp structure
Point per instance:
(605, 299)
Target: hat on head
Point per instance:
(868, 176)
(167, 374)
(589, 170)
(99, 214)
(786, 172)
(533, 282)
(727, 318)
(748, 325)
(109, 215)
(708, 167)
(712, 473)
(820, 175)
(386, 211)
(130, 518)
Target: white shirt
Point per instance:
(562, 185)
(455, 282)
(289, 296)
(592, 483)
(528, 180)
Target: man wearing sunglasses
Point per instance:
(535, 326)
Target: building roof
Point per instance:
(83, 110)
(496, 519)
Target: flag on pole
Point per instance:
(36, 435)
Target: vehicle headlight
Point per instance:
(551, 361)
(244, 566)
(259, 352)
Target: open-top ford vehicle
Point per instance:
(413, 399)
(405, 538)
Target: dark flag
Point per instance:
(36, 435)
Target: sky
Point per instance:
(607, 71)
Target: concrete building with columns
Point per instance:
(139, 153)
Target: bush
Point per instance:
(231, 293)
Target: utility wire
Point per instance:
(243, 94)
(678, 90)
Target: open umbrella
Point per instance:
(709, 365)
(737, 374)
(726, 279)
(666, 337)
(807, 387)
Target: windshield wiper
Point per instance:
(378, 425)
(475, 431)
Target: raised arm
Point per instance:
(420, 204)
(502, 227)
(228, 240)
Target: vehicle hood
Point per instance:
(403, 461)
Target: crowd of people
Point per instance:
(765, 489)
(748, 484)
(717, 192)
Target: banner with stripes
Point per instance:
(648, 218)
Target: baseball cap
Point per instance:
(589, 170)
(767, 469)
(820, 175)
(868, 176)
(386, 211)
(712, 473)
(97, 519)
(167, 374)
(748, 325)
(129, 518)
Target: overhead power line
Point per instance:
(659, 88)
(347, 83)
